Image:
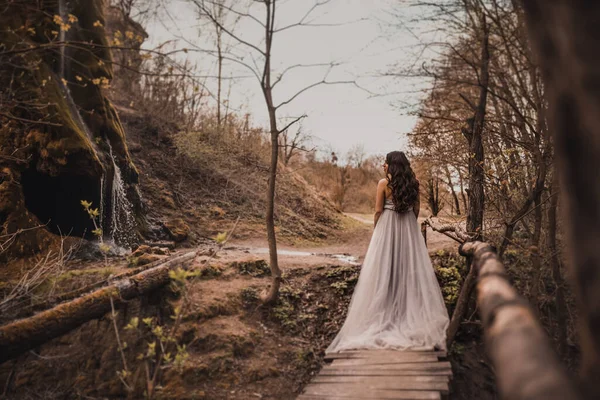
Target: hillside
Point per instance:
(209, 185)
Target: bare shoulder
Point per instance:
(382, 183)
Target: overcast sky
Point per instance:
(339, 116)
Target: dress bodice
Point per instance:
(388, 204)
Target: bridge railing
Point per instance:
(525, 364)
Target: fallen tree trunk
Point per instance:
(451, 231)
(26, 334)
(61, 298)
(525, 364)
(167, 262)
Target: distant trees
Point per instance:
(432, 187)
(292, 144)
(356, 155)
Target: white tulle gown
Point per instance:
(397, 302)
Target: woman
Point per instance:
(397, 302)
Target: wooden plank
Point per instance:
(358, 379)
(312, 397)
(390, 355)
(330, 397)
(309, 397)
(371, 353)
(386, 360)
(386, 382)
(329, 371)
(363, 391)
(418, 366)
(381, 374)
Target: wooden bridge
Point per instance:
(525, 365)
(381, 374)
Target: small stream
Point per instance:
(344, 258)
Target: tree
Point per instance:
(258, 59)
(290, 145)
(560, 31)
(505, 170)
(432, 187)
(221, 14)
(356, 155)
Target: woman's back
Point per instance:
(397, 302)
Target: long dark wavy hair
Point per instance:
(402, 181)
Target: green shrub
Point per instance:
(256, 268)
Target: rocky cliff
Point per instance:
(61, 140)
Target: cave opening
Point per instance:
(56, 201)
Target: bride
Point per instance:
(397, 302)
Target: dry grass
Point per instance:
(37, 283)
(210, 177)
(350, 188)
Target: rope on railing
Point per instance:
(525, 364)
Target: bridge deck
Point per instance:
(381, 374)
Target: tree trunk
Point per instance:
(219, 82)
(474, 133)
(560, 303)
(462, 190)
(510, 226)
(267, 88)
(536, 260)
(219, 38)
(270, 219)
(433, 196)
(451, 186)
(26, 334)
(461, 304)
(177, 260)
(564, 34)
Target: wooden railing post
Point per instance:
(525, 364)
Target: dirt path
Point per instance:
(350, 248)
(435, 241)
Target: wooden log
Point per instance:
(526, 365)
(28, 333)
(451, 231)
(178, 259)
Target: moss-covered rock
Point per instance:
(59, 133)
(177, 229)
(257, 268)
